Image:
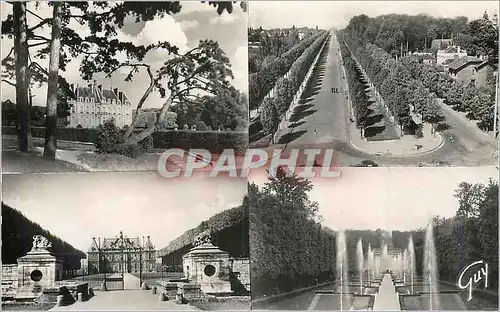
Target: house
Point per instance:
(441, 44)
(463, 69)
(428, 59)
(484, 72)
(450, 53)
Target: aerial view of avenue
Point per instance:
(139, 244)
(132, 81)
(382, 83)
(342, 244)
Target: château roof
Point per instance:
(119, 242)
(99, 94)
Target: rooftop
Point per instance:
(120, 242)
(99, 94)
(464, 61)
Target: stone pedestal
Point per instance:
(37, 270)
(208, 266)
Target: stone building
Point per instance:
(450, 53)
(463, 69)
(219, 260)
(121, 254)
(92, 105)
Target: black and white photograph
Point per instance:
(124, 241)
(108, 86)
(395, 83)
(382, 239)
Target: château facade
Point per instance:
(121, 254)
(92, 105)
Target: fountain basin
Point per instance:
(371, 290)
(331, 301)
(448, 300)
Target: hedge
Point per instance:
(287, 88)
(216, 223)
(261, 83)
(214, 141)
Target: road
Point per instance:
(323, 123)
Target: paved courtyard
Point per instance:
(125, 300)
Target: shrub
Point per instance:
(110, 140)
(108, 137)
(200, 126)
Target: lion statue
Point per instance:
(40, 242)
(204, 238)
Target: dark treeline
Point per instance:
(291, 249)
(398, 33)
(17, 240)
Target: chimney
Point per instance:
(91, 87)
(120, 97)
(72, 87)
(458, 49)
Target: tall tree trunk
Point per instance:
(21, 51)
(55, 50)
(30, 137)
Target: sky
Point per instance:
(336, 14)
(391, 198)
(196, 21)
(79, 206)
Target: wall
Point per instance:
(242, 266)
(465, 75)
(9, 280)
(482, 76)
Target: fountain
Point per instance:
(405, 265)
(384, 257)
(342, 269)
(430, 268)
(412, 267)
(370, 264)
(360, 261)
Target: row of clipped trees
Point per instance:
(290, 249)
(262, 82)
(400, 90)
(359, 98)
(275, 107)
(17, 240)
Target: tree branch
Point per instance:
(146, 94)
(8, 55)
(9, 82)
(34, 14)
(194, 73)
(37, 44)
(42, 23)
